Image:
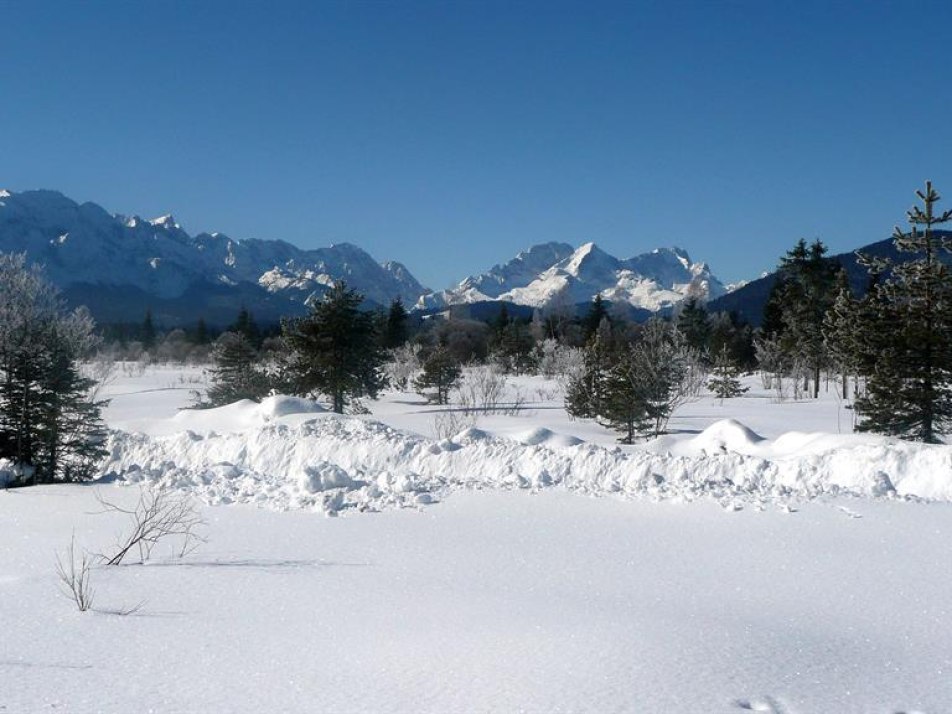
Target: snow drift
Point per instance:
(285, 454)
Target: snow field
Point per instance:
(819, 590)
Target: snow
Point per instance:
(761, 557)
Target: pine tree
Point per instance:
(692, 322)
(511, 347)
(907, 326)
(771, 325)
(336, 350)
(840, 331)
(724, 382)
(245, 325)
(236, 375)
(596, 313)
(396, 330)
(440, 372)
(807, 295)
(147, 332)
(200, 336)
(585, 392)
(49, 424)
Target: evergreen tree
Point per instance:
(335, 350)
(147, 332)
(396, 330)
(809, 294)
(585, 391)
(840, 331)
(236, 375)
(49, 425)
(724, 382)
(441, 372)
(771, 325)
(692, 322)
(646, 382)
(591, 322)
(200, 336)
(907, 328)
(511, 348)
(245, 325)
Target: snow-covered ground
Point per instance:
(773, 563)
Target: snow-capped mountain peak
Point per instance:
(653, 280)
(166, 221)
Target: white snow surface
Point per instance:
(760, 558)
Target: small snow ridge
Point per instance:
(544, 436)
(726, 435)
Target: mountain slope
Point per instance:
(85, 249)
(555, 273)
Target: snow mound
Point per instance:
(545, 436)
(239, 416)
(337, 463)
(726, 435)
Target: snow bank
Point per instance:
(237, 417)
(290, 456)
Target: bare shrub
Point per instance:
(450, 422)
(157, 516)
(485, 389)
(73, 571)
(481, 388)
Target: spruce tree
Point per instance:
(907, 328)
(441, 372)
(336, 349)
(147, 333)
(724, 382)
(808, 293)
(585, 392)
(593, 320)
(840, 331)
(692, 322)
(396, 331)
(49, 424)
(245, 325)
(236, 374)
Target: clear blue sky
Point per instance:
(451, 135)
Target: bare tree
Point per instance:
(74, 576)
(158, 515)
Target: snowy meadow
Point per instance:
(759, 557)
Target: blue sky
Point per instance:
(451, 135)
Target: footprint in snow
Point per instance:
(763, 704)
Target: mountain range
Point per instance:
(120, 266)
(552, 273)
